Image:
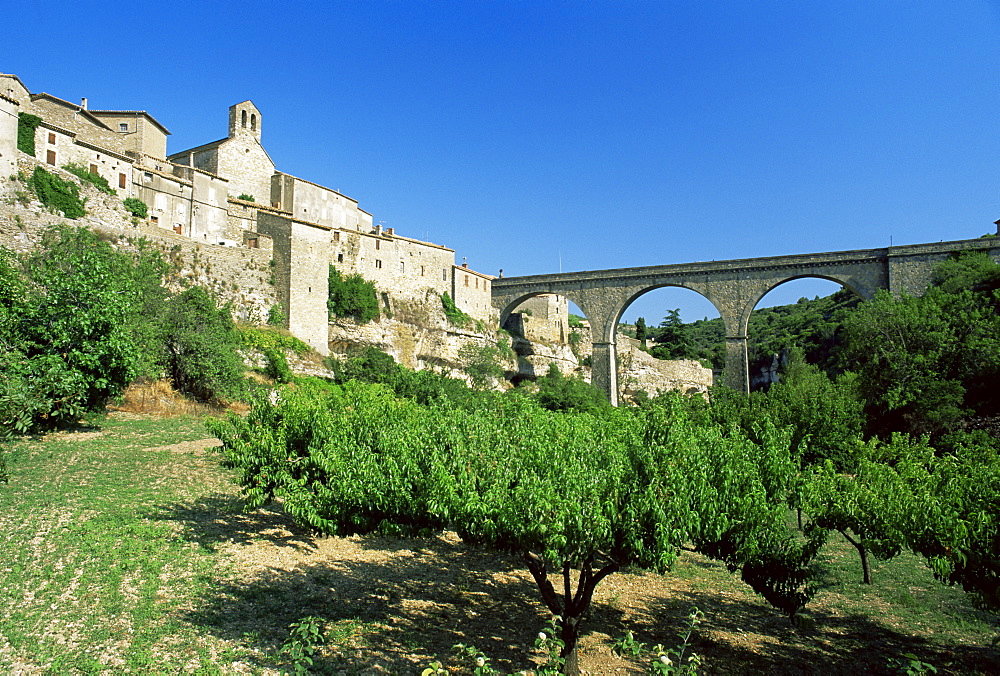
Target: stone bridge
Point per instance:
(734, 287)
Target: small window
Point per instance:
(466, 280)
(378, 264)
(154, 219)
(243, 119)
(340, 258)
(123, 126)
(336, 237)
(444, 274)
(402, 267)
(477, 282)
(378, 245)
(122, 181)
(423, 270)
(253, 122)
(93, 168)
(178, 228)
(252, 242)
(52, 138)
(50, 157)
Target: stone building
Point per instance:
(229, 193)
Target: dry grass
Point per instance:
(159, 398)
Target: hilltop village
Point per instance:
(264, 240)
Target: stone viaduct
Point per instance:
(734, 287)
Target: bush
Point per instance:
(136, 206)
(55, 193)
(557, 392)
(90, 177)
(246, 198)
(454, 315)
(200, 343)
(351, 296)
(26, 125)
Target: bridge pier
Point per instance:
(737, 373)
(604, 370)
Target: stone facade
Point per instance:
(142, 134)
(9, 109)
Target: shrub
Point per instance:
(454, 315)
(90, 177)
(351, 296)
(136, 207)
(200, 343)
(276, 313)
(26, 125)
(246, 198)
(55, 193)
(557, 392)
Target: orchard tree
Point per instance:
(576, 496)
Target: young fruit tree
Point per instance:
(576, 496)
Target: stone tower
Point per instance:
(244, 118)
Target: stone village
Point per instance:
(259, 237)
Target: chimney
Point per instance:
(465, 265)
(390, 231)
(378, 229)
(83, 103)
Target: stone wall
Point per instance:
(240, 276)
(472, 293)
(8, 143)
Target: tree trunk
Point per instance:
(572, 606)
(866, 569)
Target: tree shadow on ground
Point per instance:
(749, 637)
(219, 519)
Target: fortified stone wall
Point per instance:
(240, 276)
(8, 142)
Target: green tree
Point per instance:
(352, 296)
(200, 347)
(672, 340)
(576, 496)
(927, 363)
(558, 392)
(640, 329)
(481, 363)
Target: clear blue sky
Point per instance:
(601, 134)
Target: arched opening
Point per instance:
(803, 314)
(243, 119)
(253, 122)
(676, 341)
(546, 328)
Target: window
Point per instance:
(50, 157)
(122, 181)
(378, 245)
(466, 280)
(123, 126)
(336, 237)
(252, 242)
(422, 270)
(340, 258)
(253, 122)
(52, 138)
(444, 274)
(378, 264)
(402, 267)
(243, 120)
(154, 219)
(93, 168)
(178, 228)
(477, 282)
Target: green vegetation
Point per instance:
(482, 364)
(575, 321)
(26, 126)
(57, 194)
(136, 207)
(246, 198)
(454, 315)
(91, 177)
(352, 296)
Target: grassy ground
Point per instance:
(123, 549)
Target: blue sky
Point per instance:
(594, 135)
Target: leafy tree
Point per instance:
(640, 330)
(576, 496)
(481, 363)
(672, 341)
(67, 316)
(352, 296)
(558, 392)
(928, 363)
(200, 346)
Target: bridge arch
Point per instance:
(666, 285)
